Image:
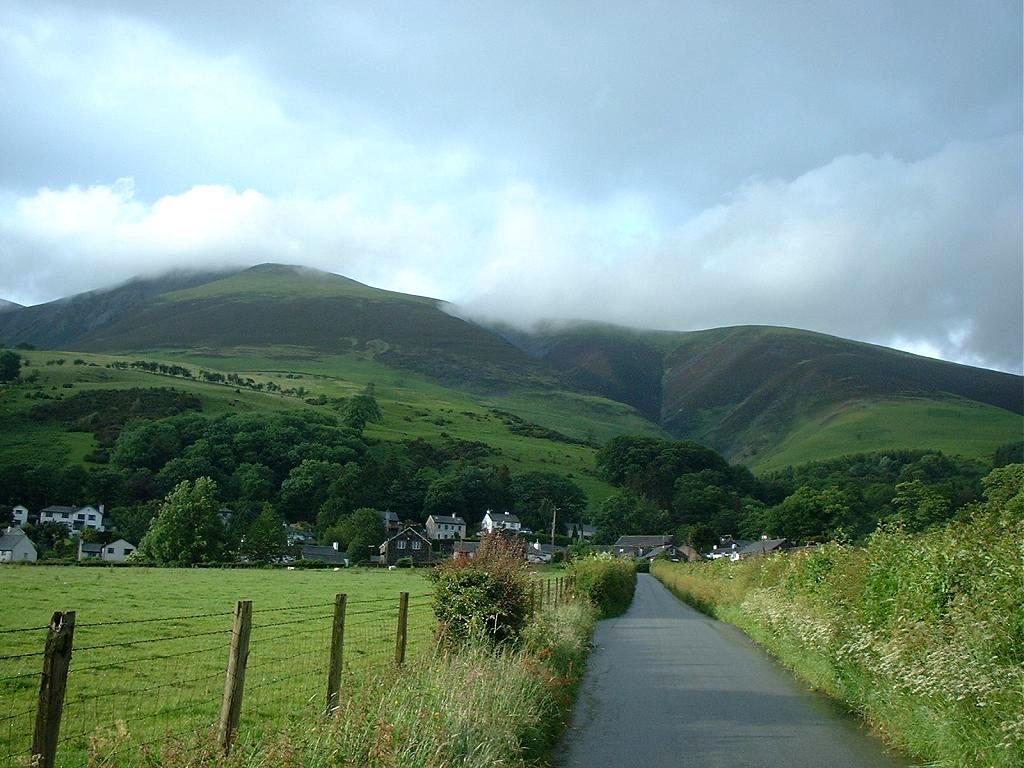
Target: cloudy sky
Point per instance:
(853, 168)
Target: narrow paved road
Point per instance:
(668, 686)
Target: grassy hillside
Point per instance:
(412, 406)
(761, 395)
(771, 396)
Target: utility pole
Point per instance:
(554, 515)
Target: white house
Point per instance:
(117, 551)
(20, 515)
(441, 527)
(496, 521)
(75, 518)
(16, 547)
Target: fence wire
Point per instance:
(138, 690)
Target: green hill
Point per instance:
(765, 396)
(759, 394)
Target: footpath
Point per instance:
(669, 687)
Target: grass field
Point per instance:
(151, 648)
(954, 426)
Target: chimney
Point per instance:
(335, 545)
(101, 509)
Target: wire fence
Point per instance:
(134, 686)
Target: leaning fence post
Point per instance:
(234, 682)
(337, 647)
(400, 636)
(52, 685)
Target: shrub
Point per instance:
(642, 565)
(606, 582)
(487, 597)
(404, 562)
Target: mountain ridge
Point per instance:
(743, 390)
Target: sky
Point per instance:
(850, 168)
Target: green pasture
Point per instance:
(151, 647)
(954, 426)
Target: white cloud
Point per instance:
(924, 255)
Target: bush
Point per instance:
(403, 562)
(487, 597)
(642, 565)
(606, 582)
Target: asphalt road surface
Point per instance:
(667, 686)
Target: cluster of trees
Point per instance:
(307, 467)
(10, 366)
(680, 487)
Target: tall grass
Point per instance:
(471, 708)
(924, 635)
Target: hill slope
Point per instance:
(765, 396)
(745, 390)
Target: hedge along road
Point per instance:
(668, 686)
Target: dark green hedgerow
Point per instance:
(606, 582)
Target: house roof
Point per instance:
(58, 508)
(447, 519)
(763, 546)
(581, 527)
(389, 517)
(643, 541)
(327, 554)
(93, 549)
(465, 546)
(11, 537)
(121, 541)
(402, 533)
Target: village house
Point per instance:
(75, 518)
(638, 546)
(296, 536)
(464, 550)
(496, 521)
(764, 546)
(114, 552)
(581, 531)
(408, 542)
(16, 546)
(728, 547)
(20, 514)
(327, 554)
(542, 553)
(441, 527)
(391, 522)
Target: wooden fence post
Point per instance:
(547, 589)
(52, 685)
(400, 636)
(234, 682)
(533, 597)
(337, 648)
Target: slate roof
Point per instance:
(58, 508)
(643, 541)
(92, 549)
(387, 516)
(763, 547)
(467, 547)
(327, 554)
(10, 538)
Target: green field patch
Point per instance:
(953, 425)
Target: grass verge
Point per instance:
(923, 635)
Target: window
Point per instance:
(92, 517)
(110, 550)
(401, 544)
(416, 544)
